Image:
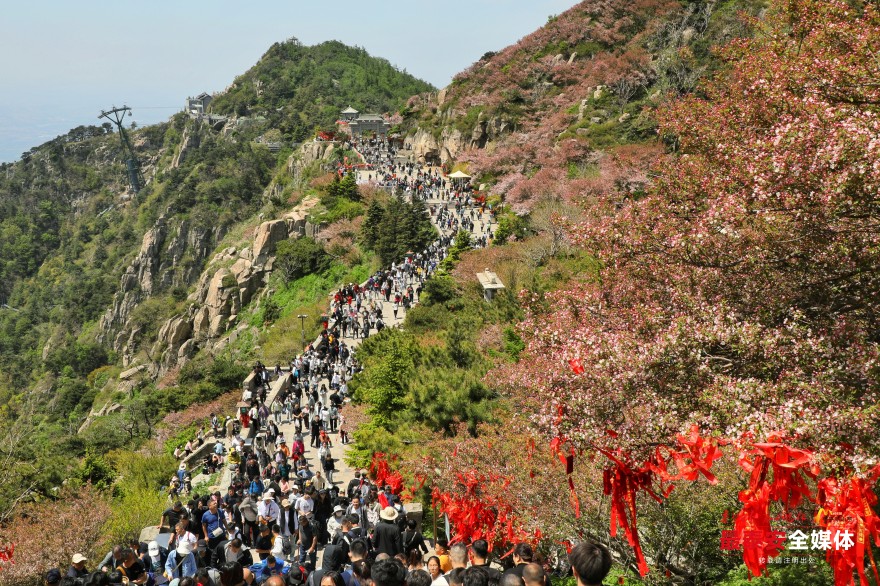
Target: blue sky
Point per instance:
(63, 61)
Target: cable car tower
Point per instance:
(132, 165)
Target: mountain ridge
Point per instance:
(74, 237)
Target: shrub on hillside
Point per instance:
(137, 508)
(300, 257)
(47, 534)
(438, 290)
(221, 372)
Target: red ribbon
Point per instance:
(621, 482)
(752, 524)
(6, 553)
(383, 475)
(623, 479)
(848, 507)
(475, 513)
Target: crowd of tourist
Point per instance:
(279, 509)
(455, 206)
(350, 563)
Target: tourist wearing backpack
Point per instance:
(249, 516)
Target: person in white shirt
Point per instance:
(305, 505)
(334, 523)
(277, 543)
(181, 534)
(268, 509)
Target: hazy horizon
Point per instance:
(67, 62)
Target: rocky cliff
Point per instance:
(171, 255)
(447, 143)
(231, 280)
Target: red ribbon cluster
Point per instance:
(848, 507)
(777, 474)
(621, 482)
(693, 457)
(475, 513)
(6, 553)
(383, 475)
(787, 466)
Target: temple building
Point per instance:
(361, 124)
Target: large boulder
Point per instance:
(175, 332)
(201, 324)
(218, 325)
(187, 350)
(267, 237)
(222, 279)
(423, 145)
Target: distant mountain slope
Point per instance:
(537, 117)
(89, 272)
(297, 87)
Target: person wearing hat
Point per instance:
(268, 510)
(181, 562)
(386, 536)
(334, 523)
(308, 540)
(250, 518)
(285, 518)
(53, 577)
(155, 561)
(323, 511)
(296, 576)
(366, 486)
(78, 566)
(283, 447)
(202, 554)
